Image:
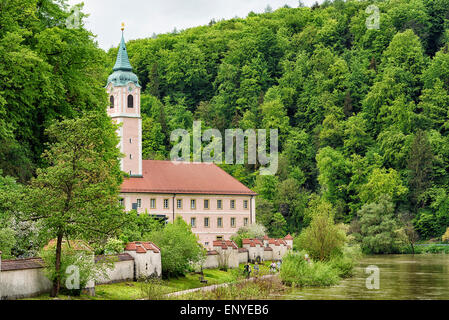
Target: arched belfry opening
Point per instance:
(130, 101)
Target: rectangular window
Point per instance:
(193, 204)
(153, 204)
(206, 204)
(193, 222)
(179, 203)
(220, 222)
(139, 203)
(220, 238)
(166, 203)
(232, 204)
(219, 204)
(245, 222)
(121, 202)
(232, 222)
(245, 204)
(206, 222)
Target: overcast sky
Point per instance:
(143, 17)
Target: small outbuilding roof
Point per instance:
(22, 264)
(142, 247)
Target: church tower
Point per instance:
(124, 108)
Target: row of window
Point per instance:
(206, 222)
(193, 203)
(130, 101)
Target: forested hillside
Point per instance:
(362, 114)
(47, 71)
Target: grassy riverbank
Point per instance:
(426, 248)
(141, 290)
(258, 289)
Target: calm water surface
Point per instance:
(402, 277)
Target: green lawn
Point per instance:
(132, 290)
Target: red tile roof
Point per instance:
(184, 177)
(142, 247)
(252, 242)
(131, 247)
(288, 237)
(225, 244)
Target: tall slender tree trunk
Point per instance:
(57, 280)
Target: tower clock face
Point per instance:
(130, 89)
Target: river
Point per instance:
(401, 277)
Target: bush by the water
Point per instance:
(297, 271)
(345, 262)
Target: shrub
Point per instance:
(445, 236)
(113, 246)
(296, 271)
(322, 238)
(82, 260)
(346, 261)
(7, 242)
(179, 248)
(379, 228)
(434, 248)
(152, 288)
(425, 224)
(138, 226)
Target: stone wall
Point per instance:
(265, 249)
(211, 261)
(23, 278)
(123, 270)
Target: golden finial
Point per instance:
(123, 26)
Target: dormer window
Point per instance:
(130, 101)
(111, 102)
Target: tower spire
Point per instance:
(122, 63)
(123, 74)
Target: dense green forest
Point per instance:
(363, 114)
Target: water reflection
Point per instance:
(402, 277)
